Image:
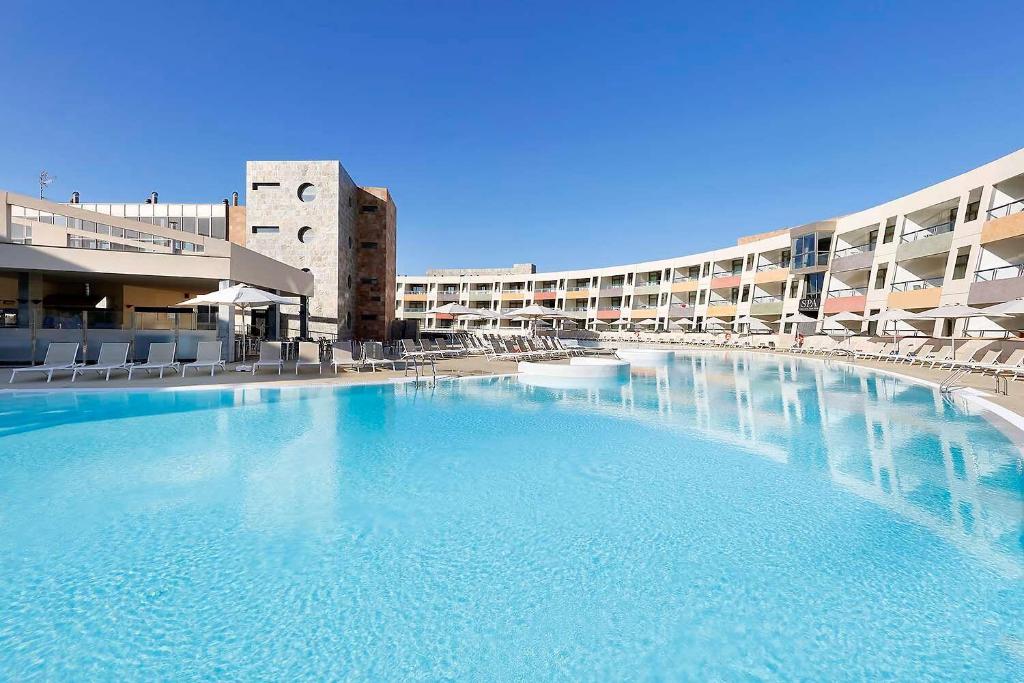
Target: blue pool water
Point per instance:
(728, 517)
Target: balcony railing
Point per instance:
(766, 299)
(857, 249)
(685, 278)
(771, 265)
(849, 291)
(546, 289)
(417, 290)
(585, 288)
(999, 273)
(911, 285)
(930, 231)
(810, 259)
(1006, 209)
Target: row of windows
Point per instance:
(207, 227)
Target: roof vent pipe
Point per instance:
(153, 196)
(76, 198)
(234, 199)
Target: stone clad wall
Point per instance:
(375, 262)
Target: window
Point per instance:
(307, 192)
(736, 266)
(880, 275)
(305, 234)
(368, 280)
(367, 245)
(734, 295)
(750, 261)
(703, 296)
(785, 258)
(257, 186)
(265, 229)
(746, 292)
(890, 230)
(960, 265)
(369, 316)
(368, 208)
(794, 288)
(873, 324)
(218, 228)
(972, 211)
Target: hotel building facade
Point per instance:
(108, 271)
(960, 241)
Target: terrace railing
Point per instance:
(911, 285)
(930, 231)
(1004, 210)
(999, 273)
(856, 249)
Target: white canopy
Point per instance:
(799, 318)
(1010, 308)
(452, 309)
(649, 322)
(536, 312)
(846, 317)
(954, 311)
(240, 295)
(892, 314)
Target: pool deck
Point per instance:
(459, 367)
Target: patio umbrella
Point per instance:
(846, 317)
(955, 311)
(680, 324)
(1010, 308)
(453, 309)
(243, 296)
(892, 315)
(535, 312)
(649, 322)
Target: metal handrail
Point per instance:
(867, 247)
(909, 285)
(990, 274)
(1016, 206)
(770, 265)
(930, 231)
(766, 299)
(849, 291)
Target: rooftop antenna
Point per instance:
(45, 180)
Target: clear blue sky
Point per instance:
(568, 134)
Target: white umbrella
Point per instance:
(242, 296)
(954, 311)
(892, 315)
(799, 318)
(649, 322)
(680, 324)
(453, 309)
(536, 311)
(846, 317)
(1010, 308)
(715, 322)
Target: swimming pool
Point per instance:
(727, 516)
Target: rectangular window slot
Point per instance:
(368, 208)
(368, 245)
(259, 186)
(265, 229)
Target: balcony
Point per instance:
(851, 299)
(647, 288)
(513, 294)
(611, 291)
(777, 273)
(930, 241)
(576, 313)
(412, 315)
(859, 257)
(1003, 227)
(684, 284)
(609, 314)
(452, 295)
(479, 295)
(911, 294)
(718, 310)
(725, 281)
(545, 295)
(996, 285)
(679, 310)
(415, 296)
(577, 293)
(644, 312)
(767, 304)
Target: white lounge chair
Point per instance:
(342, 358)
(112, 356)
(309, 356)
(207, 356)
(270, 357)
(373, 355)
(59, 356)
(161, 357)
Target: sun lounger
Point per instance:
(309, 356)
(373, 355)
(342, 358)
(270, 357)
(112, 356)
(207, 356)
(161, 357)
(59, 356)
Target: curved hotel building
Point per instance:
(959, 241)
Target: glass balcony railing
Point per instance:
(999, 273)
(1004, 210)
(930, 231)
(911, 285)
(766, 299)
(771, 265)
(856, 249)
(849, 291)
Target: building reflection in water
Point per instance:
(898, 444)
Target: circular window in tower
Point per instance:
(307, 192)
(305, 234)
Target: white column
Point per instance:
(226, 325)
